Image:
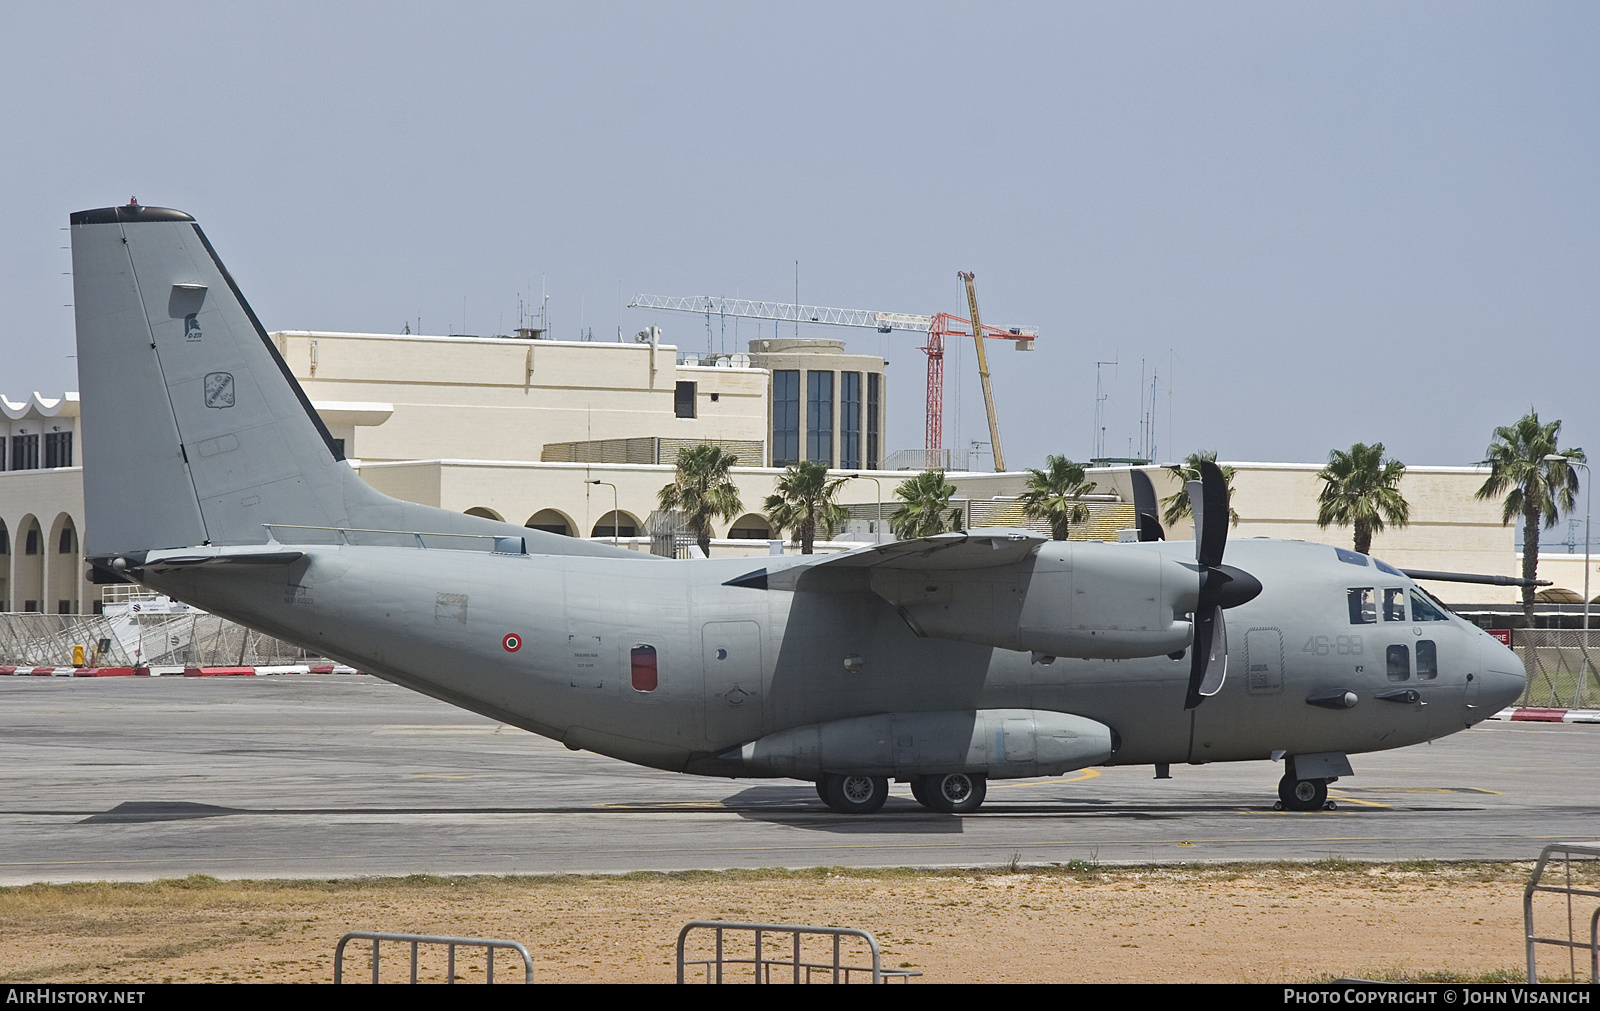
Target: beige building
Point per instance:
(580, 438)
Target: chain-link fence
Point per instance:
(1561, 667)
(140, 640)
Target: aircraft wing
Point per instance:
(971, 549)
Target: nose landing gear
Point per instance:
(1303, 795)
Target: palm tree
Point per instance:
(1053, 495)
(804, 505)
(1189, 470)
(702, 488)
(1538, 488)
(926, 498)
(1362, 489)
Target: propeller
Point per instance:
(1145, 508)
(1221, 586)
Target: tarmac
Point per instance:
(342, 775)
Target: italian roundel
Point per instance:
(512, 642)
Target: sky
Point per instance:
(1315, 223)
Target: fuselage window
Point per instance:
(1350, 557)
(1422, 610)
(1363, 606)
(1399, 663)
(642, 662)
(1394, 605)
(1427, 660)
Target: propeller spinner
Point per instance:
(1221, 586)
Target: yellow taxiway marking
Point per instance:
(1345, 798)
(1083, 774)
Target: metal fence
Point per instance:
(782, 956)
(195, 639)
(417, 940)
(1561, 884)
(1561, 667)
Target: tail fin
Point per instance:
(195, 431)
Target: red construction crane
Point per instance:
(935, 328)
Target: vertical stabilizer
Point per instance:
(195, 431)
(195, 437)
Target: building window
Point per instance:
(65, 607)
(850, 420)
(874, 397)
(69, 543)
(33, 541)
(785, 417)
(683, 400)
(30, 606)
(58, 449)
(819, 417)
(5, 541)
(642, 668)
(339, 445)
(24, 452)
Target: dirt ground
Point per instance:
(1251, 924)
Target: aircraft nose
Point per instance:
(1504, 677)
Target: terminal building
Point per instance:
(578, 438)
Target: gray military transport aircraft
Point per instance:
(943, 661)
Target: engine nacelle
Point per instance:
(1076, 599)
(999, 743)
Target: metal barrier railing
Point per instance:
(1536, 883)
(415, 940)
(763, 963)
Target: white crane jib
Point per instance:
(883, 322)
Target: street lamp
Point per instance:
(615, 512)
(1588, 478)
(880, 498)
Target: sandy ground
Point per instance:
(1251, 924)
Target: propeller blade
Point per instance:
(1150, 528)
(1197, 509)
(1146, 508)
(1211, 519)
(1208, 665)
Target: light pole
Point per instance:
(880, 497)
(1588, 479)
(615, 512)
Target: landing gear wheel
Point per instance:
(951, 792)
(1303, 794)
(854, 794)
(919, 790)
(822, 790)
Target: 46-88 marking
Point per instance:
(1343, 645)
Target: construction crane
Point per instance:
(935, 328)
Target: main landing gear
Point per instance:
(1303, 795)
(947, 793)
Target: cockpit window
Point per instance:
(1394, 604)
(1363, 606)
(1422, 610)
(1352, 557)
(1384, 566)
(1399, 663)
(1427, 660)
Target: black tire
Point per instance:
(852, 794)
(954, 792)
(822, 790)
(1303, 794)
(918, 790)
